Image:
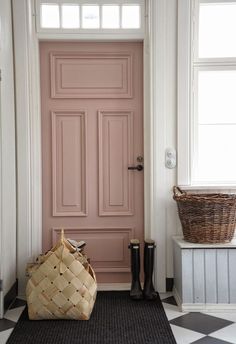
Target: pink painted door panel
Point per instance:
(92, 130)
(69, 163)
(115, 155)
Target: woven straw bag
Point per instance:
(62, 285)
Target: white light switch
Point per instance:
(170, 158)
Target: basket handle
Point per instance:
(62, 238)
(177, 191)
(66, 243)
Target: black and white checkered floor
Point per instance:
(199, 328)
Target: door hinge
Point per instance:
(1, 285)
(0, 75)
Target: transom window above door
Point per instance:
(78, 16)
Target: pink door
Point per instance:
(92, 131)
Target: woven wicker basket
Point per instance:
(206, 218)
(62, 285)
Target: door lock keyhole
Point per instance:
(140, 159)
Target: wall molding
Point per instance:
(113, 286)
(162, 65)
(156, 102)
(1, 221)
(184, 90)
(7, 155)
(28, 119)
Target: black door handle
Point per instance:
(138, 167)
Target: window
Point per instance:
(110, 17)
(130, 17)
(90, 17)
(217, 29)
(212, 98)
(82, 15)
(70, 16)
(50, 16)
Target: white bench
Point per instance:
(205, 276)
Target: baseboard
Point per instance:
(113, 286)
(10, 296)
(169, 284)
(209, 307)
(126, 286)
(203, 307)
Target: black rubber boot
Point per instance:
(149, 291)
(136, 290)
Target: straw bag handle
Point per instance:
(178, 192)
(66, 243)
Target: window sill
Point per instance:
(208, 187)
(186, 245)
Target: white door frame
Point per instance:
(29, 135)
(1, 224)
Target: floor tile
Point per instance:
(6, 324)
(184, 336)
(170, 300)
(18, 303)
(165, 295)
(231, 316)
(210, 340)
(228, 334)
(200, 322)
(172, 311)
(14, 314)
(5, 335)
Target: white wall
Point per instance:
(165, 116)
(171, 126)
(7, 151)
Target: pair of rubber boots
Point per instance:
(148, 292)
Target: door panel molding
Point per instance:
(69, 163)
(65, 69)
(112, 239)
(116, 140)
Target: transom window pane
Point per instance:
(130, 17)
(50, 17)
(70, 16)
(121, 16)
(110, 17)
(90, 17)
(217, 30)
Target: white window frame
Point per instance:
(188, 64)
(133, 33)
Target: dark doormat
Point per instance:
(116, 319)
